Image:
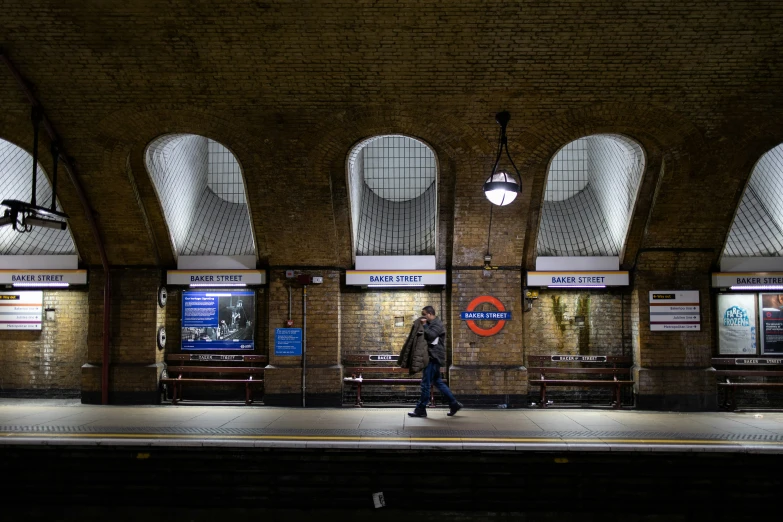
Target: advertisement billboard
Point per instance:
(218, 320)
(737, 324)
(771, 306)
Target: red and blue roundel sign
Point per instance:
(470, 316)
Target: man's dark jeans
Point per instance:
(431, 377)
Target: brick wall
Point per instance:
(46, 362)
(673, 369)
(283, 378)
(134, 358)
(488, 370)
(579, 322)
(553, 325)
(376, 321)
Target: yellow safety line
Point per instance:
(353, 438)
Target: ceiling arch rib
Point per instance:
(757, 230)
(201, 189)
(16, 166)
(393, 191)
(590, 194)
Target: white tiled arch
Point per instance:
(201, 189)
(16, 167)
(757, 230)
(392, 182)
(592, 185)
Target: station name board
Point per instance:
(607, 278)
(218, 277)
(726, 279)
(395, 277)
(579, 358)
(215, 357)
(43, 277)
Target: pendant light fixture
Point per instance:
(501, 187)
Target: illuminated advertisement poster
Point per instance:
(737, 324)
(771, 306)
(218, 320)
(21, 310)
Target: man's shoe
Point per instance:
(454, 408)
(417, 413)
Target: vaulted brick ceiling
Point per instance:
(289, 88)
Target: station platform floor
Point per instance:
(68, 422)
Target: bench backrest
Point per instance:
(374, 363)
(558, 369)
(244, 370)
(372, 359)
(748, 366)
(183, 358)
(745, 362)
(592, 360)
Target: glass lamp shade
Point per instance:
(501, 188)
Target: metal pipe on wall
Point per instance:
(304, 343)
(24, 86)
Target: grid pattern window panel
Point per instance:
(568, 172)
(16, 171)
(758, 226)
(225, 176)
(393, 197)
(180, 169)
(591, 191)
(223, 228)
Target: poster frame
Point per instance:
(222, 345)
(761, 329)
(754, 323)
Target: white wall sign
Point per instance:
(216, 277)
(727, 279)
(673, 310)
(21, 310)
(43, 277)
(577, 279)
(737, 324)
(399, 278)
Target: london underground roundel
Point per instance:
(476, 329)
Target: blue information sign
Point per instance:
(218, 320)
(288, 341)
(485, 316)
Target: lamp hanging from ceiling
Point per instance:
(23, 216)
(501, 187)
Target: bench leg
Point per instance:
(358, 403)
(431, 404)
(248, 394)
(617, 402)
(723, 396)
(174, 387)
(542, 396)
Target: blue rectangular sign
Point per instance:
(485, 316)
(218, 320)
(288, 341)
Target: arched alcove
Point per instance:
(201, 189)
(591, 191)
(392, 183)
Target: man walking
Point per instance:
(435, 334)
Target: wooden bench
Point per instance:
(181, 369)
(733, 372)
(378, 364)
(541, 368)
